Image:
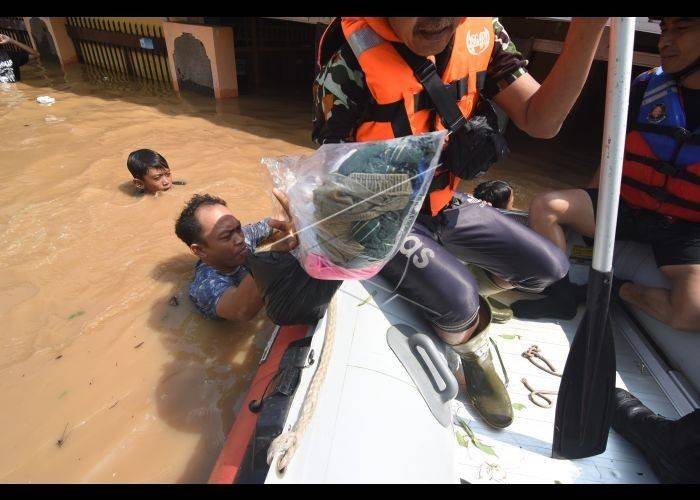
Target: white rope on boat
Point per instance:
(286, 444)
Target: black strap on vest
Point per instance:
(426, 73)
(664, 167)
(676, 133)
(660, 194)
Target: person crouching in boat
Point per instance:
(223, 287)
(376, 82)
(660, 192)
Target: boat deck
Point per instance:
(371, 424)
(523, 450)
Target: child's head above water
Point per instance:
(498, 193)
(150, 171)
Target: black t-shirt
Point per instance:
(691, 98)
(10, 61)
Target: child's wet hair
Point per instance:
(141, 160)
(495, 192)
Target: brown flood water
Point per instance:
(91, 352)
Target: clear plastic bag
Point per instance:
(354, 203)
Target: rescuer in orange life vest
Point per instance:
(660, 191)
(381, 78)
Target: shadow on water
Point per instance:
(202, 387)
(257, 113)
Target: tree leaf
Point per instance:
(484, 447)
(519, 406)
(461, 440)
(509, 336)
(369, 297)
(466, 428)
(76, 314)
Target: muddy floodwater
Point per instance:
(104, 377)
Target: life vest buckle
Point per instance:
(681, 134)
(659, 194)
(426, 70)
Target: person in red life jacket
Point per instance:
(660, 191)
(381, 78)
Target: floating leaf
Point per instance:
(519, 406)
(461, 440)
(76, 314)
(371, 295)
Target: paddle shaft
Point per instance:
(615, 129)
(585, 404)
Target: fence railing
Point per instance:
(132, 49)
(14, 28)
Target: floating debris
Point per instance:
(139, 345)
(45, 99)
(113, 404)
(173, 301)
(179, 183)
(63, 437)
(76, 314)
(519, 406)
(59, 356)
(63, 394)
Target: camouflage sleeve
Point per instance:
(255, 233)
(340, 98)
(507, 64)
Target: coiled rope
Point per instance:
(284, 445)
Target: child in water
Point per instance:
(150, 171)
(498, 193)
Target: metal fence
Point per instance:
(14, 28)
(131, 49)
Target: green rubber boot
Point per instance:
(485, 388)
(501, 312)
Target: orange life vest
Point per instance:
(402, 107)
(662, 159)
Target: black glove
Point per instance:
(474, 147)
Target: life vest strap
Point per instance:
(426, 73)
(678, 133)
(660, 194)
(457, 89)
(664, 167)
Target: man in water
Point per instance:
(378, 83)
(223, 287)
(660, 193)
(12, 59)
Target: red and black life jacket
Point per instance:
(662, 158)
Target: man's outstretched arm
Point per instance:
(4, 40)
(240, 303)
(540, 110)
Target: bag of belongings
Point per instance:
(354, 203)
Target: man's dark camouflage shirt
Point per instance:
(341, 96)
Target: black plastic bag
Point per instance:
(291, 296)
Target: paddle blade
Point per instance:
(585, 403)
